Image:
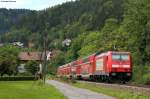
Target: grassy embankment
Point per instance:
(115, 92)
(118, 93)
(25, 90)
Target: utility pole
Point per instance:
(45, 55)
(45, 62)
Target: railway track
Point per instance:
(142, 90)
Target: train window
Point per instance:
(120, 57)
(125, 57)
(116, 57)
(99, 64)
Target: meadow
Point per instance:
(28, 90)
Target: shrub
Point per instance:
(146, 79)
(24, 74)
(32, 67)
(5, 75)
(51, 76)
(68, 80)
(141, 75)
(65, 79)
(73, 80)
(17, 78)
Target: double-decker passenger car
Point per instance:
(108, 66)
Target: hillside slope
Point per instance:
(66, 20)
(10, 17)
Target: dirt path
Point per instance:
(76, 93)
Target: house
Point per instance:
(18, 44)
(24, 57)
(66, 42)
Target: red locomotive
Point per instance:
(107, 66)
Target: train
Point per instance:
(105, 66)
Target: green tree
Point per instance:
(89, 44)
(32, 67)
(109, 35)
(9, 60)
(86, 50)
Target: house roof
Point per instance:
(37, 56)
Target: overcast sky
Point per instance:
(30, 4)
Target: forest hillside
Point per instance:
(91, 25)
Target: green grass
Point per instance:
(118, 93)
(25, 90)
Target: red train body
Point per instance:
(105, 66)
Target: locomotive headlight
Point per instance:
(128, 74)
(126, 66)
(113, 74)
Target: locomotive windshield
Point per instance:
(120, 57)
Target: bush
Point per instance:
(73, 80)
(5, 75)
(146, 79)
(51, 76)
(64, 78)
(24, 74)
(32, 67)
(18, 78)
(141, 75)
(68, 80)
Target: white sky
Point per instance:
(31, 4)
